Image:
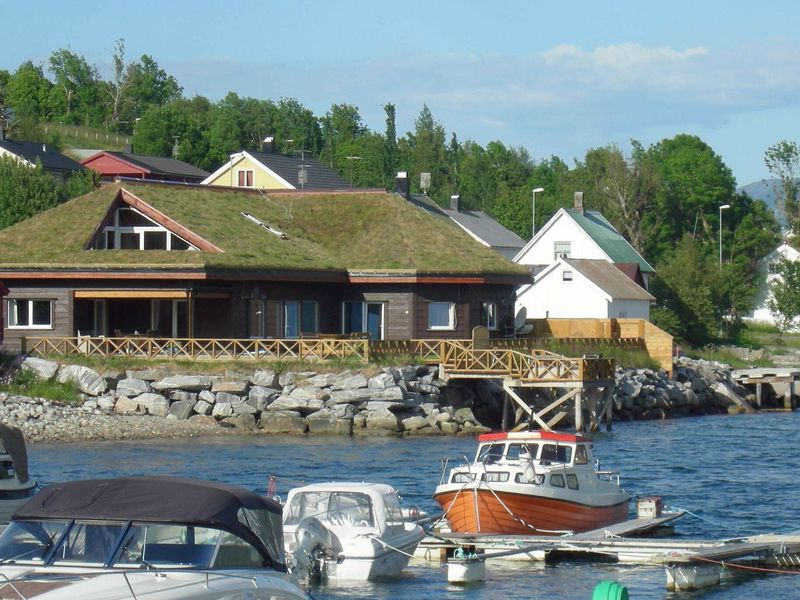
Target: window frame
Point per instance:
(451, 325)
(566, 276)
(249, 178)
(558, 249)
(300, 306)
(116, 232)
(489, 312)
(29, 324)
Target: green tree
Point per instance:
(340, 125)
(118, 88)
(295, 122)
(151, 85)
(161, 126)
(783, 161)
(784, 299)
(424, 152)
(28, 93)
(390, 153)
(77, 80)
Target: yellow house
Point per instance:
(269, 170)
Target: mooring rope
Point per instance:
(731, 565)
(522, 521)
(695, 515)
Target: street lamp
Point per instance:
(721, 208)
(533, 210)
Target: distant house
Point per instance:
(29, 153)
(766, 271)
(269, 170)
(135, 258)
(577, 233)
(584, 288)
(155, 168)
(480, 226)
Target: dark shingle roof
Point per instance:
(33, 151)
(159, 165)
(319, 177)
(609, 279)
(490, 231)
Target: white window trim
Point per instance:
(558, 254)
(488, 325)
(117, 230)
(451, 316)
(253, 177)
(30, 302)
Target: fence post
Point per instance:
(23, 345)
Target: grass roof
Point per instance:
(356, 231)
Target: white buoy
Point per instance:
(466, 570)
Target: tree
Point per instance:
(341, 124)
(76, 79)
(28, 93)
(158, 129)
(295, 122)
(390, 144)
(784, 299)
(120, 84)
(783, 161)
(424, 152)
(151, 85)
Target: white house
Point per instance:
(584, 288)
(766, 271)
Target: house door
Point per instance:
(375, 320)
(100, 317)
(169, 318)
(363, 317)
(256, 318)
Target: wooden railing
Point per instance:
(196, 348)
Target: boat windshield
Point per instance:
(556, 453)
(490, 452)
(30, 541)
(336, 508)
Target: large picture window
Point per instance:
(300, 317)
(441, 315)
(131, 230)
(363, 317)
(30, 314)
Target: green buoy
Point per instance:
(610, 590)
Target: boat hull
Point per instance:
(481, 511)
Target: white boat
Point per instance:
(348, 531)
(16, 487)
(154, 538)
(531, 483)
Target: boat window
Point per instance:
(581, 456)
(30, 541)
(269, 529)
(536, 480)
(462, 477)
(490, 452)
(338, 508)
(176, 545)
(6, 469)
(89, 543)
(394, 514)
(572, 481)
(235, 552)
(557, 480)
(496, 476)
(514, 451)
(555, 453)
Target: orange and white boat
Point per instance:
(531, 483)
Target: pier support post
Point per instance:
(579, 411)
(759, 388)
(504, 425)
(788, 396)
(608, 405)
(691, 576)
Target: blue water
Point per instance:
(738, 474)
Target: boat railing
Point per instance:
(610, 476)
(446, 463)
(6, 581)
(158, 572)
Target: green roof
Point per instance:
(609, 239)
(358, 231)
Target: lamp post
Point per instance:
(533, 210)
(350, 160)
(721, 208)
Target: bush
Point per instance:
(27, 383)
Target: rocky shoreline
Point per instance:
(408, 400)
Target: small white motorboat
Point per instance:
(16, 487)
(160, 538)
(347, 531)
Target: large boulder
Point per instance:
(383, 419)
(87, 380)
(265, 378)
(153, 404)
(222, 410)
(260, 396)
(238, 388)
(132, 387)
(42, 368)
(325, 379)
(190, 383)
(126, 405)
(284, 403)
(244, 408)
(309, 392)
(381, 381)
(227, 398)
(351, 395)
(201, 407)
(182, 409)
(246, 422)
(350, 383)
(325, 422)
(282, 421)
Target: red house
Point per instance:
(155, 168)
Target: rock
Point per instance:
(181, 395)
(265, 378)
(379, 405)
(105, 402)
(351, 395)
(126, 405)
(343, 411)
(112, 378)
(132, 387)
(190, 383)
(325, 422)
(282, 421)
(146, 374)
(473, 428)
(324, 379)
(287, 378)
(630, 387)
(381, 381)
(226, 398)
(201, 407)
(424, 388)
(243, 408)
(287, 403)
(429, 408)
(309, 392)
(87, 380)
(260, 396)
(221, 410)
(43, 368)
(383, 419)
(449, 428)
(238, 388)
(414, 423)
(207, 396)
(729, 397)
(90, 404)
(387, 394)
(465, 415)
(181, 409)
(350, 383)
(246, 422)
(153, 404)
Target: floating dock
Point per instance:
(689, 563)
(783, 382)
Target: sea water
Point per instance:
(737, 475)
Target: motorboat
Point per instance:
(346, 531)
(531, 483)
(16, 487)
(160, 538)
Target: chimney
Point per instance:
(454, 199)
(579, 201)
(44, 147)
(401, 185)
(128, 149)
(268, 145)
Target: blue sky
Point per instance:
(555, 77)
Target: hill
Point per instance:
(764, 190)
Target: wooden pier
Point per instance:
(782, 381)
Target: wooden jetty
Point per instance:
(783, 381)
(689, 563)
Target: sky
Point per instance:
(556, 78)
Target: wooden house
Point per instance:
(111, 165)
(56, 164)
(191, 261)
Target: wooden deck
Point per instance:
(783, 380)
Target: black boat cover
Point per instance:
(164, 499)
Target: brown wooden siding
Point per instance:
(62, 314)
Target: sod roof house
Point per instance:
(126, 164)
(172, 260)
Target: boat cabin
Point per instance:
(545, 448)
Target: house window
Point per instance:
(363, 317)
(489, 315)
(441, 315)
(772, 268)
(245, 178)
(300, 317)
(566, 276)
(30, 314)
(561, 249)
(131, 230)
